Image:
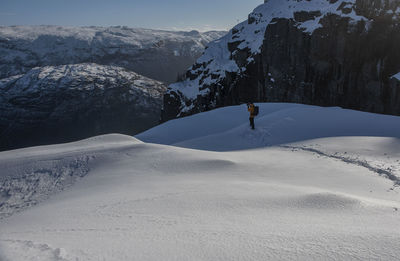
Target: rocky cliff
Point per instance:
(322, 52)
(156, 54)
(55, 104)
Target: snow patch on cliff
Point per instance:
(251, 32)
(249, 35)
(396, 76)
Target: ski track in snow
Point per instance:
(386, 170)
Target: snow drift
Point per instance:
(226, 128)
(328, 198)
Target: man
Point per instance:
(250, 108)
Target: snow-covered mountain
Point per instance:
(157, 54)
(54, 104)
(328, 188)
(329, 53)
(83, 81)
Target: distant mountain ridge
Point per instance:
(54, 104)
(321, 52)
(156, 54)
(60, 84)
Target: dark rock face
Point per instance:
(156, 54)
(343, 58)
(394, 94)
(65, 103)
(334, 66)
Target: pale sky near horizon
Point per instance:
(155, 14)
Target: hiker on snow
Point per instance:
(251, 109)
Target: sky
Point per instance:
(202, 15)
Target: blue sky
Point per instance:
(161, 14)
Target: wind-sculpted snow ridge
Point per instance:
(21, 250)
(30, 176)
(54, 104)
(37, 184)
(156, 54)
(279, 45)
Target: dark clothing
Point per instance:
(252, 122)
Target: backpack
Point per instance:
(256, 110)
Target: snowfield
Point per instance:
(309, 183)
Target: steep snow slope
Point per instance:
(139, 201)
(56, 104)
(154, 53)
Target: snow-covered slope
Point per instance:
(156, 54)
(366, 139)
(306, 200)
(56, 104)
(277, 124)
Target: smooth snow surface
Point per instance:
(316, 194)
(226, 129)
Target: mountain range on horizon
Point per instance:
(61, 84)
(157, 54)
